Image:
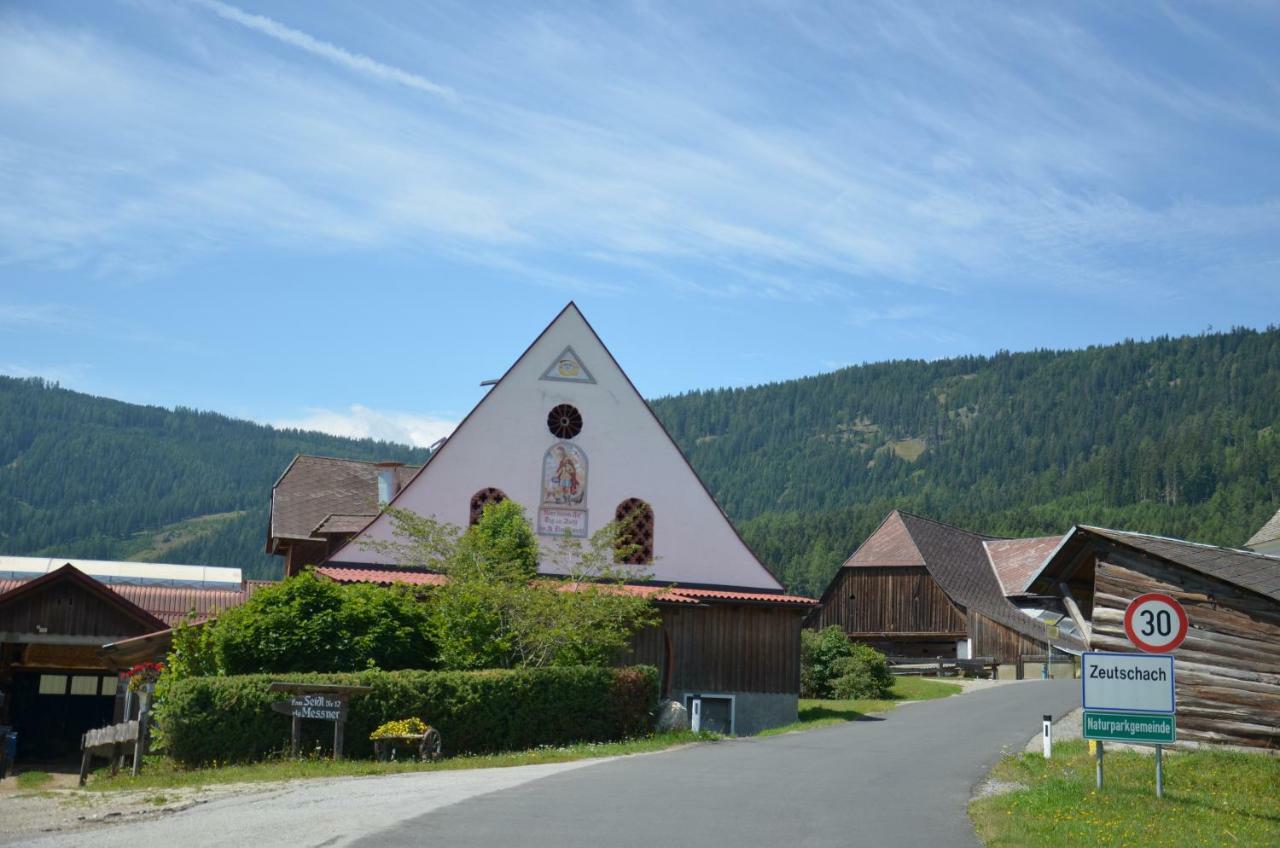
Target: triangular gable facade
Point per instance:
(891, 544)
(565, 434)
(69, 603)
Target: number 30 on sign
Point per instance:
(1156, 623)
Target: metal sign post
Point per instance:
(1098, 755)
(1132, 697)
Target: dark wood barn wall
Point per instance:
(993, 639)
(873, 601)
(1227, 670)
(723, 648)
(66, 610)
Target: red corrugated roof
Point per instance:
(665, 594)
(170, 603)
(753, 597)
(381, 576)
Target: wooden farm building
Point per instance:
(920, 588)
(65, 635)
(566, 434)
(320, 502)
(1228, 669)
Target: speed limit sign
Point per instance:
(1156, 623)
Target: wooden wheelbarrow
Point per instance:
(428, 744)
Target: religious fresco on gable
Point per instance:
(568, 368)
(564, 476)
(564, 491)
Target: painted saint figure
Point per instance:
(564, 476)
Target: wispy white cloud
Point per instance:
(361, 422)
(323, 49)
(925, 148)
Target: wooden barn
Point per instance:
(1228, 669)
(59, 632)
(566, 434)
(920, 588)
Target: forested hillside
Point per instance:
(84, 476)
(1174, 436)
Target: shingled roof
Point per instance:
(1268, 532)
(957, 559)
(1016, 561)
(315, 488)
(1253, 571)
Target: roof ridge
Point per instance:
(983, 536)
(356, 461)
(1244, 551)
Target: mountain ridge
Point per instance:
(1177, 436)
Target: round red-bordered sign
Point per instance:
(1155, 622)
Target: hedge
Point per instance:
(229, 718)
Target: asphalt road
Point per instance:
(904, 780)
(901, 780)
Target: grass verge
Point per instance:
(33, 779)
(814, 713)
(162, 773)
(1210, 798)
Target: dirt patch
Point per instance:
(989, 788)
(27, 814)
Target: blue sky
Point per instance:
(346, 215)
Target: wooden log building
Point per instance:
(1228, 669)
(920, 588)
(65, 636)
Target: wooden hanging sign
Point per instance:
(321, 701)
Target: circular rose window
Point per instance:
(564, 421)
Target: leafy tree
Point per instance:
(495, 612)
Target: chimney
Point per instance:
(388, 483)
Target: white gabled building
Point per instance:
(566, 434)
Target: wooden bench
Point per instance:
(110, 742)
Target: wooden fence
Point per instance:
(943, 666)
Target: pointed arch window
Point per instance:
(483, 498)
(635, 532)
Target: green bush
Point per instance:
(833, 667)
(862, 674)
(229, 719)
(308, 623)
(820, 650)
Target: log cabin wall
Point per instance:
(723, 648)
(874, 602)
(993, 639)
(1227, 670)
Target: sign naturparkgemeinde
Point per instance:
(1143, 728)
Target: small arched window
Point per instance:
(483, 498)
(635, 532)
